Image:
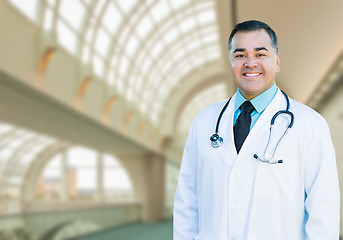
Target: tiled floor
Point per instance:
(138, 231)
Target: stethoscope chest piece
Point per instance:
(216, 140)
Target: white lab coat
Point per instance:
(222, 195)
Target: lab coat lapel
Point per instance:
(258, 136)
(226, 128)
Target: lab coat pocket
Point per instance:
(276, 180)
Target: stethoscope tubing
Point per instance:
(217, 141)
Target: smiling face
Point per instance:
(254, 62)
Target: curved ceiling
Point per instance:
(143, 50)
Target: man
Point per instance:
(248, 188)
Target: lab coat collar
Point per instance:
(260, 130)
(259, 102)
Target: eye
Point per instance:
(260, 55)
(239, 56)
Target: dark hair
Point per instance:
(254, 25)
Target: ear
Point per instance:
(278, 63)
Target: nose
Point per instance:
(250, 62)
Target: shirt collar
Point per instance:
(259, 102)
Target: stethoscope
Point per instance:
(217, 141)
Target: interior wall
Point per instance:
(332, 111)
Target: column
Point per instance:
(100, 178)
(64, 177)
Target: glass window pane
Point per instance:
(48, 185)
(213, 55)
(99, 6)
(120, 85)
(51, 2)
(143, 107)
(35, 148)
(73, 12)
(85, 54)
(198, 61)
(114, 61)
(48, 19)
(157, 49)
(160, 11)
(124, 66)
(66, 37)
(86, 182)
(14, 181)
(112, 18)
(178, 56)
(129, 94)
(187, 24)
(207, 17)
(123, 36)
(81, 157)
(27, 7)
(154, 117)
(5, 128)
(102, 42)
(126, 5)
(116, 177)
(88, 2)
(144, 27)
(171, 36)
(138, 83)
(98, 65)
(111, 77)
(176, 4)
(89, 34)
(82, 168)
(205, 6)
(210, 39)
(212, 94)
(194, 45)
(131, 46)
(146, 65)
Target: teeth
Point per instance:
(251, 74)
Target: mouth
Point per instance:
(251, 74)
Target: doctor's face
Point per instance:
(254, 62)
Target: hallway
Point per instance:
(97, 98)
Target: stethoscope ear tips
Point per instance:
(216, 140)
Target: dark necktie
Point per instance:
(242, 126)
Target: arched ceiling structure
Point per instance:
(154, 56)
(142, 49)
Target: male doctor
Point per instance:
(241, 190)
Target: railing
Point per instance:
(45, 225)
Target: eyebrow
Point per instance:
(239, 50)
(255, 49)
(260, 48)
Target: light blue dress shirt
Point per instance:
(259, 102)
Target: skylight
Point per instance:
(210, 95)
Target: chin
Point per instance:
(256, 88)
(251, 92)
